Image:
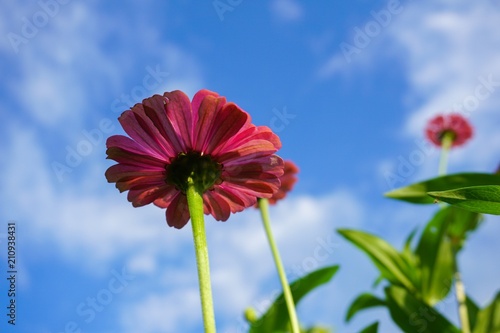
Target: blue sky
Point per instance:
(348, 87)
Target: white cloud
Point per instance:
(451, 54)
(63, 78)
(287, 10)
(55, 68)
(176, 311)
(452, 66)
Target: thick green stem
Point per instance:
(264, 211)
(446, 143)
(195, 204)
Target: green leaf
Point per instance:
(373, 328)
(472, 310)
(407, 247)
(411, 258)
(388, 261)
(461, 224)
(478, 199)
(435, 254)
(377, 281)
(414, 316)
(362, 302)
(417, 193)
(488, 319)
(276, 318)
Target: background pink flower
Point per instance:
(288, 180)
(231, 161)
(449, 123)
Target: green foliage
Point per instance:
(472, 310)
(362, 302)
(460, 224)
(417, 193)
(436, 258)
(478, 199)
(414, 316)
(373, 328)
(488, 319)
(388, 260)
(276, 318)
(420, 277)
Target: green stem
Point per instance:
(445, 149)
(463, 314)
(264, 211)
(195, 204)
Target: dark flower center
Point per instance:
(202, 169)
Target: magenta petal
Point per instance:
(179, 113)
(144, 161)
(237, 201)
(155, 110)
(139, 183)
(250, 134)
(227, 123)
(118, 171)
(142, 131)
(198, 99)
(220, 209)
(248, 151)
(141, 197)
(454, 123)
(259, 189)
(124, 150)
(207, 112)
(165, 201)
(177, 212)
(126, 143)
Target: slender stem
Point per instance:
(264, 211)
(445, 149)
(463, 314)
(195, 204)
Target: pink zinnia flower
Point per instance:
(230, 160)
(288, 180)
(452, 123)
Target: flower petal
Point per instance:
(141, 197)
(140, 128)
(155, 109)
(177, 212)
(120, 171)
(139, 161)
(252, 133)
(219, 208)
(237, 201)
(198, 99)
(247, 152)
(227, 123)
(207, 113)
(452, 122)
(257, 188)
(166, 200)
(179, 113)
